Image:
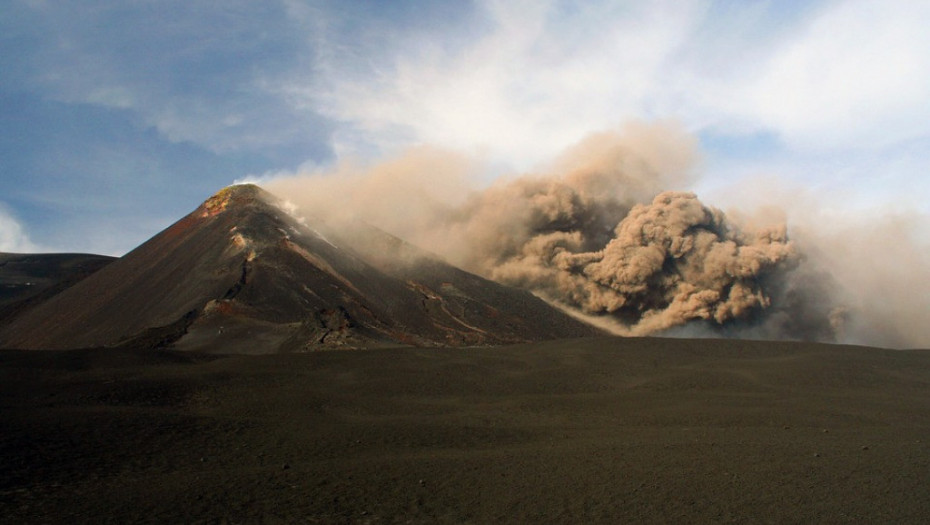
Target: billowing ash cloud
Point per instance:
(669, 262)
(596, 233)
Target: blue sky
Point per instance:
(119, 117)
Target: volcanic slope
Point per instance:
(241, 275)
(29, 279)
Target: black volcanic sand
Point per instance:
(598, 430)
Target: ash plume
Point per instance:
(598, 233)
(669, 262)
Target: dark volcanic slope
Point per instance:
(29, 279)
(585, 431)
(240, 273)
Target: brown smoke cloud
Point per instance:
(866, 271)
(878, 269)
(597, 233)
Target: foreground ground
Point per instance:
(600, 430)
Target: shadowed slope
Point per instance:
(30, 279)
(241, 274)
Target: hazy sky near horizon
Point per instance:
(120, 117)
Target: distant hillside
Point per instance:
(30, 279)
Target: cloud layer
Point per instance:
(539, 76)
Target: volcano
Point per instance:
(242, 275)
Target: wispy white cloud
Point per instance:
(196, 71)
(13, 237)
(856, 75)
(514, 80)
(537, 76)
